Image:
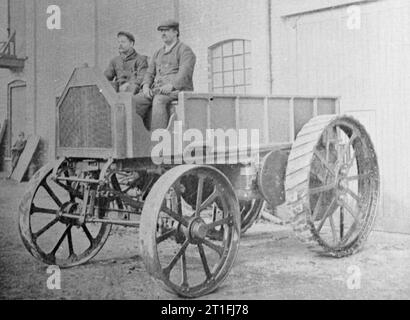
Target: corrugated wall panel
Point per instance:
(369, 68)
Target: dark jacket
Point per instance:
(130, 68)
(16, 152)
(19, 145)
(175, 67)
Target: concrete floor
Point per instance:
(271, 264)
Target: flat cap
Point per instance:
(167, 24)
(129, 35)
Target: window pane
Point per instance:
(227, 49)
(248, 75)
(228, 78)
(238, 62)
(247, 46)
(231, 67)
(217, 65)
(217, 52)
(228, 64)
(240, 90)
(228, 90)
(248, 61)
(217, 80)
(239, 77)
(238, 47)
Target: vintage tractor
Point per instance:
(191, 212)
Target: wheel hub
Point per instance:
(341, 180)
(68, 208)
(197, 230)
(342, 185)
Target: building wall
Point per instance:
(4, 74)
(369, 68)
(4, 78)
(139, 17)
(207, 22)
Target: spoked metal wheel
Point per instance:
(250, 212)
(176, 244)
(136, 185)
(332, 184)
(49, 237)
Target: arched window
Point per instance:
(230, 67)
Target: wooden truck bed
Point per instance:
(93, 121)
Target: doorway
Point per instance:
(16, 113)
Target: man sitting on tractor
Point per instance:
(128, 69)
(170, 71)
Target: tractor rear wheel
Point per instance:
(332, 185)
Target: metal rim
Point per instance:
(41, 187)
(250, 212)
(333, 184)
(189, 232)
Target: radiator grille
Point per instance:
(85, 119)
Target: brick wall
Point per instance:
(3, 19)
(139, 17)
(205, 23)
(4, 74)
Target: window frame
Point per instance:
(245, 69)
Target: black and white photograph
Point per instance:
(221, 151)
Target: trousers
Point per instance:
(159, 104)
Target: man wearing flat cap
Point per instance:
(127, 71)
(170, 71)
